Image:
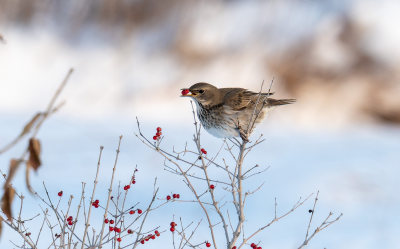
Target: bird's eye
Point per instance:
(201, 91)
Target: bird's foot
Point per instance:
(243, 136)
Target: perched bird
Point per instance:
(230, 112)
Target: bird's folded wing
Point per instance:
(239, 98)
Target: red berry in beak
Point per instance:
(185, 91)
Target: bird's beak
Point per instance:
(187, 93)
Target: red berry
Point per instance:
(185, 91)
(158, 129)
(259, 247)
(28, 234)
(253, 245)
(208, 244)
(111, 222)
(106, 221)
(174, 196)
(132, 212)
(157, 233)
(155, 138)
(96, 201)
(234, 247)
(168, 197)
(69, 218)
(153, 237)
(130, 231)
(142, 241)
(203, 151)
(117, 229)
(119, 239)
(111, 229)
(133, 181)
(139, 211)
(173, 224)
(60, 193)
(158, 134)
(172, 229)
(178, 196)
(212, 186)
(70, 223)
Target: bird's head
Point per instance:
(203, 93)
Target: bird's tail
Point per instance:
(275, 102)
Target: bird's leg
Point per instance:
(243, 135)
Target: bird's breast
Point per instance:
(218, 122)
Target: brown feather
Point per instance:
(240, 98)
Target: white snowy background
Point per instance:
(354, 164)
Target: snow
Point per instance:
(354, 165)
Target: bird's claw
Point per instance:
(243, 136)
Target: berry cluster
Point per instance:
(185, 91)
(95, 203)
(106, 220)
(114, 225)
(69, 219)
(173, 225)
(175, 196)
(126, 187)
(150, 236)
(139, 211)
(203, 151)
(115, 229)
(254, 246)
(158, 134)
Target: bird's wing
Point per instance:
(240, 98)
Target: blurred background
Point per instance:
(339, 58)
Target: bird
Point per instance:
(230, 112)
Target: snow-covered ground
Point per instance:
(355, 170)
(354, 165)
